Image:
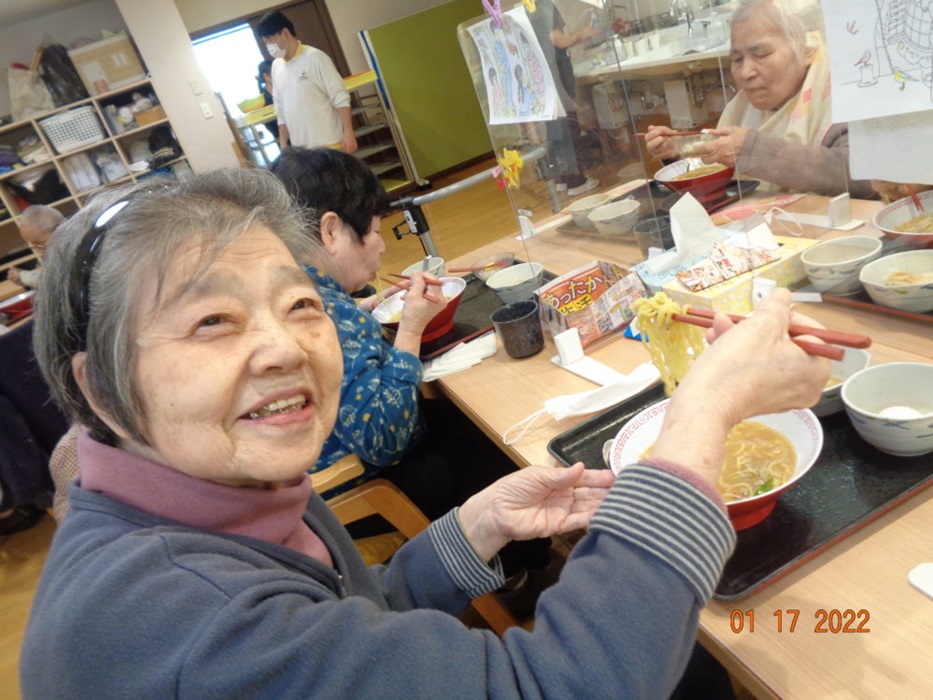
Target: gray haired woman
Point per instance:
(174, 322)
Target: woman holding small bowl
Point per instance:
(778, 127)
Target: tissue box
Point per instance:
(596, 299)
(735, 294)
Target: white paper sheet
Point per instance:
(880, 55)
(892, 148)
(519, 84)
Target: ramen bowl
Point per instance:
(801, 427)
(901, 281)
(389, 312)
(833, 266)
(702, 184)
(831, 399)
(891, 407)
(898, 213)
(516, 283)
(491, 264)
(580, 209)
(616, 218)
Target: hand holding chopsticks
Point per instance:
(703, 318)
(407, 284)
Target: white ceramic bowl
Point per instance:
(891, 406)
(833, 266)
(853, 361)
(917, 297)
(516, 283)
(616, 218)
(436, 267)
(483, 275)
(801, 427)
(900, 212)
(581, 208)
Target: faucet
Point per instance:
(681, 10)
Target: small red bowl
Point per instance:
(441, 324)
(705, 187)
(17, 306)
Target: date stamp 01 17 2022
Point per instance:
(789, 621)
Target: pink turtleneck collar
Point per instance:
(274, 515)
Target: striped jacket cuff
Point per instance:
(672, 520)
(469, 572)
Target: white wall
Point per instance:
(163, 41)
(18, 43)
(349, 17)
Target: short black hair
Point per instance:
(272, 23)
(324, 179)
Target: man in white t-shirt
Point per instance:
(311, 101)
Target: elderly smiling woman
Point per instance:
(174, 322)
(778, 127)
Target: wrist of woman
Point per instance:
(479, 527)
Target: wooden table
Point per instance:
(865, 571)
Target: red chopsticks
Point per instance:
(501, 263)
(704, 318)
(673, 133)
(403, 285)
(436, 283)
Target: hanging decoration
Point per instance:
(509, 171)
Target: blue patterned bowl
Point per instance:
(891, 407)
(833, 266)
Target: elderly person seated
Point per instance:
(176, 324)
(36, 225)
(416, 444)
(778, 127)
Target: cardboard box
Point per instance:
(596, 299)
(150, 116)
(735, 294)
(109, 64)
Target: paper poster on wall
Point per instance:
(881, 57)
(519, 86)
(877, 148)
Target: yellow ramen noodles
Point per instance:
(672, 345)
(919, 224)
(758, 459)
(699, 172)
(896, 279)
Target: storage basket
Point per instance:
(73, 128)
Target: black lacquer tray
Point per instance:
(472, 317)
(850, 485)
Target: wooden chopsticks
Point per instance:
(704, 318)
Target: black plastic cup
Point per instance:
(519, 328)
(654, 233)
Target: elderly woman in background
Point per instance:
(177, 325)
(778, 127)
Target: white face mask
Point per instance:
(586, 402)
(275, 51)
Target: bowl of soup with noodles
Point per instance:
(902, 220)
(901, 281)
(704, 181)
(765, 456)
(389, 312)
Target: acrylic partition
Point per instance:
(578, 116)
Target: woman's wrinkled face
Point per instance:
(239, 369)
(765, 65)
(358, 260)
